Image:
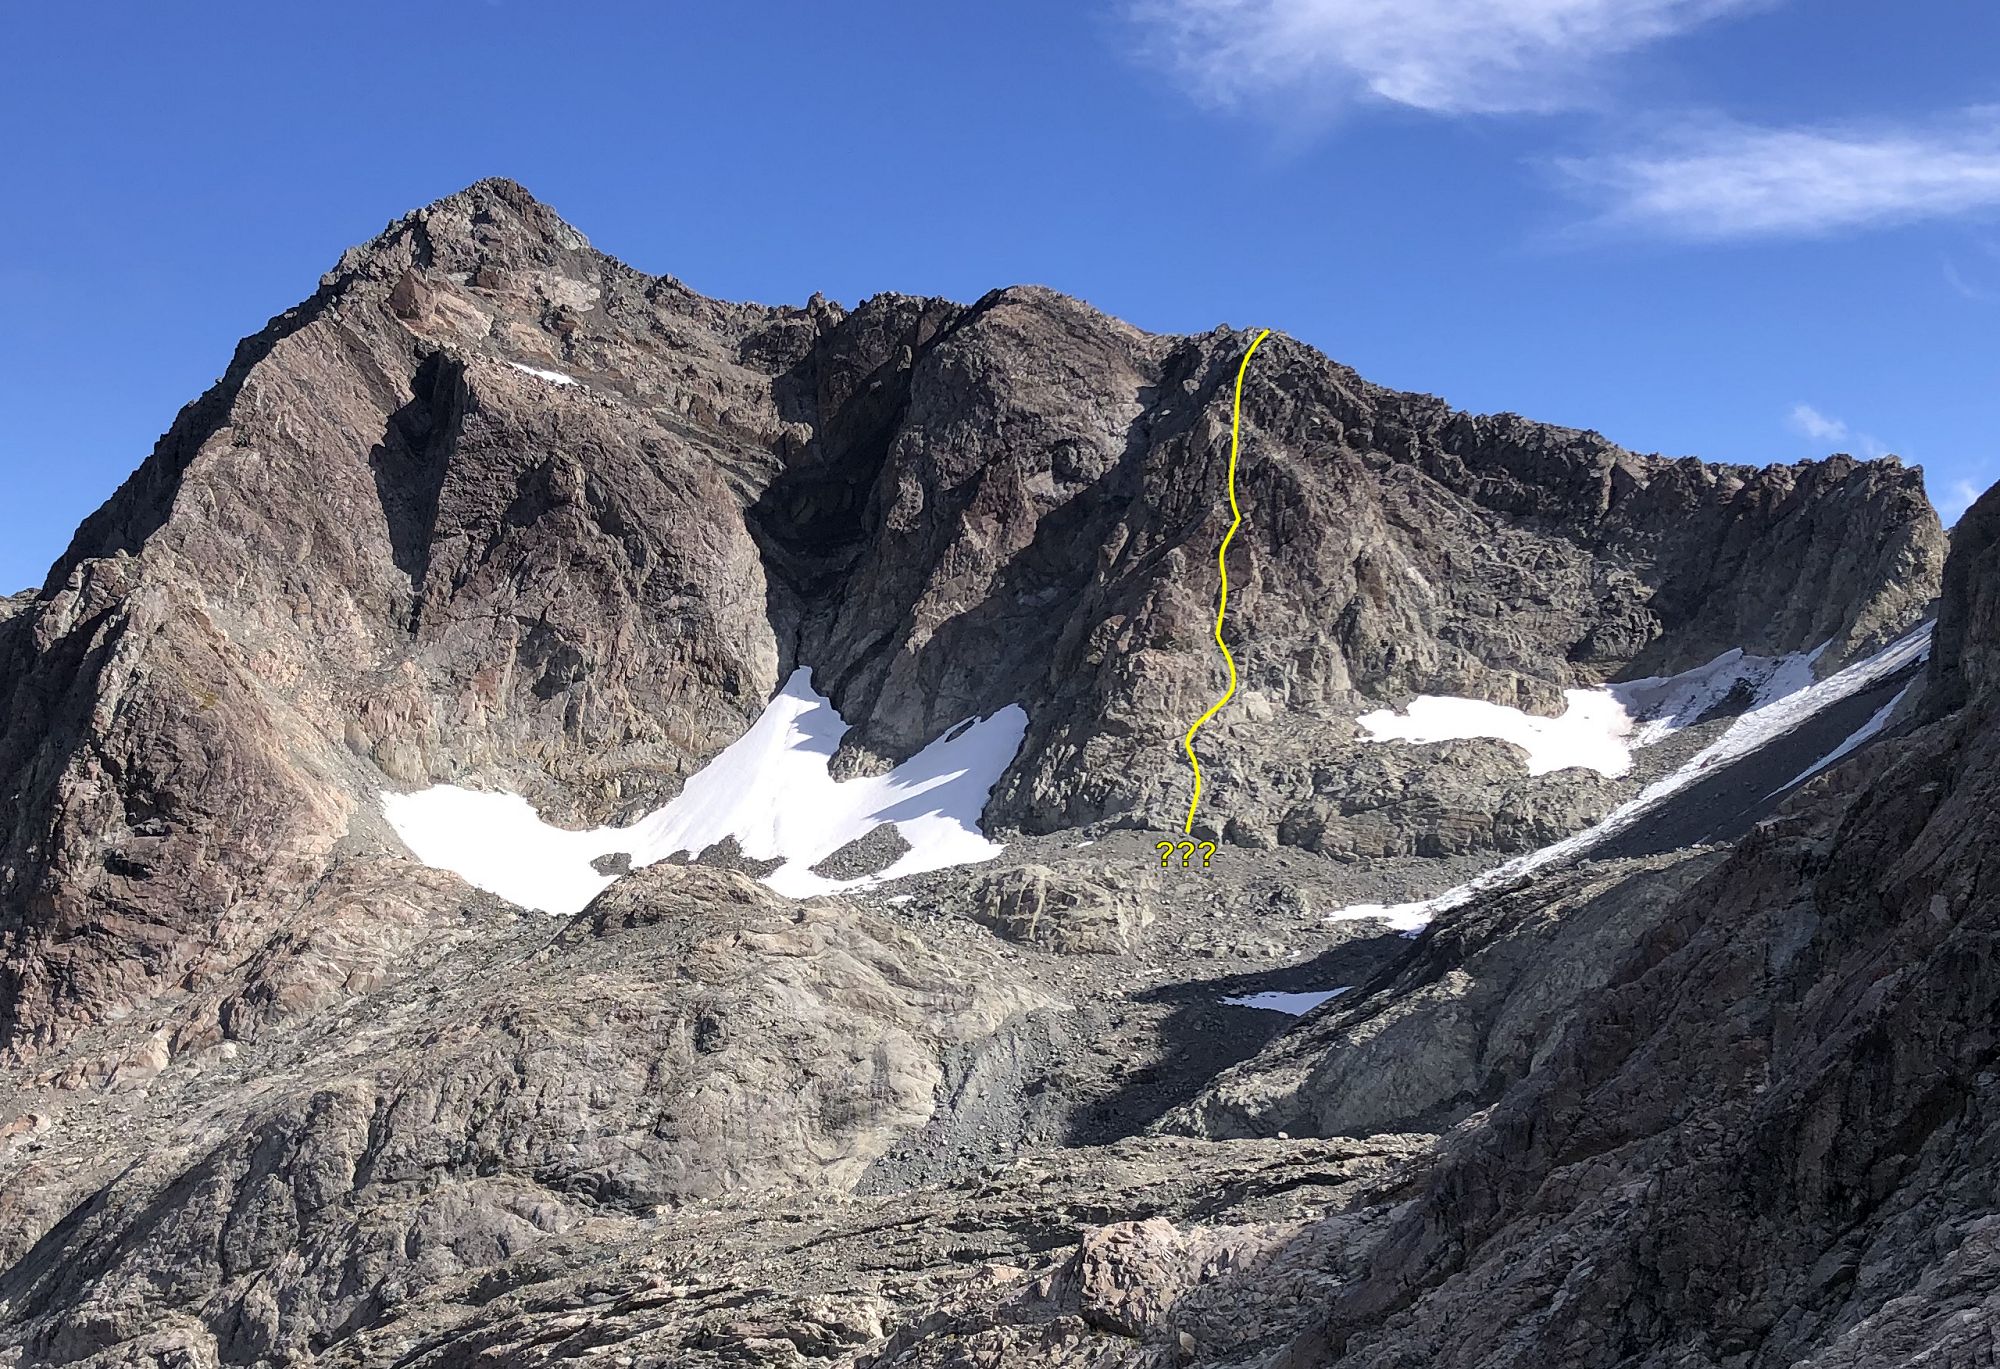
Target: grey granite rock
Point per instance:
(1449, 1028)
(1069, 914)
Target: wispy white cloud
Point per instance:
(1444, 56)
(1964, 288)
(1717, 181)
(1956, 498)
(1973, 283)
(1816, 425)
(1807, 421)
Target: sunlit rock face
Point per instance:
(493, 510)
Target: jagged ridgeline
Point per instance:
(396, 545)
(668, 578)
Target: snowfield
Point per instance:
(770, 790)
(1601, 727)
(1783, 695)
(552, 377)
(1591, 732)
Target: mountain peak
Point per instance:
(497, 200)
(493, 223)
(500, 576)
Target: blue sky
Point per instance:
(1745, 229)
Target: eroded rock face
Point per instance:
(493, 508)
(1075, 916)
(689, 1036)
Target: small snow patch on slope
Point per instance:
(1601, 727)
(1784, 697)
(770, 790)
(1876, 722)
(1296, 1004)
(1591, 732)
(552, 377)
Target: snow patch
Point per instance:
(1783, 695)
(770, 789)
(1295, 1004)
(1590, 733)
(552, 377)
(1661, 705)
(1600, 728)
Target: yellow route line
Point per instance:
(1222, 564)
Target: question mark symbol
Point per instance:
(1165, 848)
(1187, 852)
(1207, 853)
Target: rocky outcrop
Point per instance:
(1043, 506)
(1968, 627)
(1449, 1028)
(1070, 915)
(983, 1273)
(690, 1035)
(1356, 803)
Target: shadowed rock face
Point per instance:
(492, 508)
(1968, 627)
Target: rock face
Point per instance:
(1761, 1135)
(1770, 1139)
(493, 509)
(690, 1035)
(1036, 905)
(1969, 612)
(1449, 1028)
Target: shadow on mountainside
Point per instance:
(1726, 805)
(1202, 1036)
(410, 463)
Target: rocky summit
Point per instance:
(556, 819)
